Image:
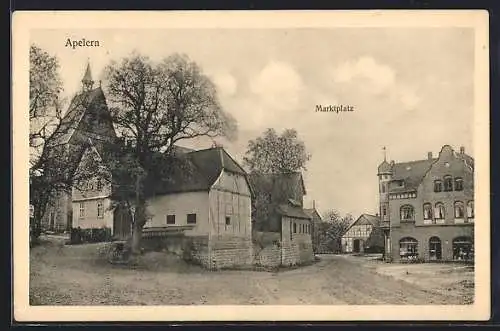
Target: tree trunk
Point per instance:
(136, 239)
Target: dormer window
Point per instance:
(448, 183)
(438, 185)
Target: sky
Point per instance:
(411, 90)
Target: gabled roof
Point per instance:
(80, 104)
(194, 171)
(413, 172)
(371, 219)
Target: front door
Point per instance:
(356, 245)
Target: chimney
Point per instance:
(314, 204)
(462, 149)
(429, 155)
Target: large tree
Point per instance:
(156, 105)
(273, 153)
(45, 115)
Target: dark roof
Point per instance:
(312, 212)
(384, 167)
(79, 105)
(291, 210)
(372, 219)
(194, 171)
(87, 77)
(411, 172)
(257, 179)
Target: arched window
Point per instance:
(427, 211)
(407, 213)
(470, 209)
(448, 183)
(463, 249)
(434, 248)
(459, 209)
(439, 212)
(438, 185)
(408, 248)
(459, 184)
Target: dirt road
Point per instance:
(67, 275)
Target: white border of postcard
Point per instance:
(24, 22)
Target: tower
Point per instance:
(384, 176)
(87, 82)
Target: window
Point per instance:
(228, 220)
(170, 219)
(191, 218)
(382, 188)
(438, 185)
(459, 184)
(99, 184)
(82, 210)
(408, 248)
(463, 249)
(407, 213)
(459, 209)
(294, 227)
(439, 211)
(470, 209)
(384, 211)
(427, 211)
(448, 183)
(100, 209)
(434, 248)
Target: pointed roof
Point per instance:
(384, 168)
(87, 77)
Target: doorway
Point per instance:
(434, 249)
(356, 245)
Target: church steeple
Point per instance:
(87, 81)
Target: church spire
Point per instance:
(87, 81)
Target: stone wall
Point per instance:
(228, 252)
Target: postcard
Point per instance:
(251, 166)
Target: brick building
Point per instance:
(427, 207)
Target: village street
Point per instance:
(73, 275)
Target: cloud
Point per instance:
(226, 83)
(369, 77)
(278, 86)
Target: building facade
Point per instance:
(363, 235)
(427, 207)
(278, 208)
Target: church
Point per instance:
(87, 118)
